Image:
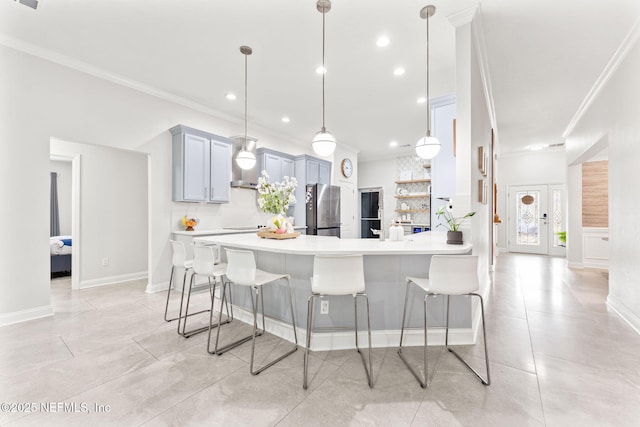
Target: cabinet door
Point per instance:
(287, 168)
(324, 173)
(313, 172)
(220, 171)
(273, 166)
(195, 169)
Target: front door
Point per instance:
(536, 214)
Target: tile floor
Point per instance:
(559, 357)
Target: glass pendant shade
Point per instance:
(427, 147)
(323, 143)
(245, 159)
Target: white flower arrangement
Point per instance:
(277, 197)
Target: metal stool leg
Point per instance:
(166, 307)
(369, 371)
(421, 380)
(484, 337)
(184, 332)
(255, 326)
(221, 350)
(309, 327)
(220, 322)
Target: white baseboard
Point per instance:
(157, 287)
(572, 264)
(343, 340)
(112, 280)
(502, 250)
(632, 319)
(25, 315)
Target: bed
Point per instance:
(61, 248)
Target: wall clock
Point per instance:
(347, 167)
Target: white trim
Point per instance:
(110, 280)
(157, 287)
(25, 315)
(442, 101)
(97, 72)
(483, 63)
(627, 315)
(615, 62)
(502, 250)
(343, 340)
(463, 17)
(572, 264)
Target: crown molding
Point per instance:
(483, 63)
(608, 72)
(83, 67)
(463, 17)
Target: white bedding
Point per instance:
(57, 245)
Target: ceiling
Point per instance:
(544, 56)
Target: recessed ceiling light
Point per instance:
(421, 100)
(321, 70)
(285, 119)
(398, 71)
(230, 96)
(393, 144)
(382, 41)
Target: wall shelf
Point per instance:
(413, 196)
(413, 181)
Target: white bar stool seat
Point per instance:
(340, 275)
(242, 271)
(448, 275)
(203, 265)
(178, 260)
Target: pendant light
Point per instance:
(245, 158)
(428, 146)
(323, 142)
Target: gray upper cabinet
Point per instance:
(310, 170)
(201, 166)
(276, 164)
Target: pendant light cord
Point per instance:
(245, 102)
(428, 108)
(324, 70)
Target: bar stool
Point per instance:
(448, 275)
(203, 265)
(241, 270)
(178, 260)
(338, 276)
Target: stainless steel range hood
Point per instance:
(243, 178)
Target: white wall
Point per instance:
(40, 100)
(613, 114)
(531, 168)
(63, 169)
(113, 212)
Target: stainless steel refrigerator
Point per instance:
(323, 210)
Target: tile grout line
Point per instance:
(533, 356)
(65, 344)
(145, 349)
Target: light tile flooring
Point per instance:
(559, 357)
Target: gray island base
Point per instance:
(386, 266)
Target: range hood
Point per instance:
(243, 178)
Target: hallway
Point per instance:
(559, 357)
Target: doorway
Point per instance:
(535, 216)
(371, 207)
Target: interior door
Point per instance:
(370, 212)
(347, 210)
(528, 220)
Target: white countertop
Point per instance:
(222, 231)
(414, 244)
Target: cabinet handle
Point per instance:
(211, 193)
(204, 193)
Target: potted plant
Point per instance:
(454, 235)
(562, 238)
(275, 198)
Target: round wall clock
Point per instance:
(347, 167)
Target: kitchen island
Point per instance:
(386, 266)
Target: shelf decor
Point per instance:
(274, 235)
